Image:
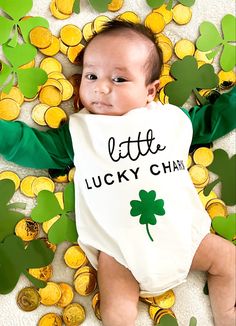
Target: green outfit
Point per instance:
(53, 149)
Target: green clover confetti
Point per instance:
(98, 5)
(168, 320)
(211, 40)
(159, 3)
(8, 217)
(148, 207)
(64, 228)
(28, 79)
(189, 78)
(35, 255)
(225, 227)
(16, 10)
(225, 168)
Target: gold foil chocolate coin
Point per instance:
(50, 294)
(165, 300)
(203, 156)
(26, 186)
(96, 305)
(73, 314)
(115, 5)
(181, 14)
(217, 209)
(43, 273)
(38, 113)
(184, 47)
(27, 229)
(53, 48)
(41, 37)
(67, 295)
(15, 94)
(70, 35)
(199, 174)
(155, 21)
(50, 319)
(11, 176)
(75, 257)
(9, 109)
(85, 283)
(54, 116)
(50, 64)
(42, 183)
(28, 299)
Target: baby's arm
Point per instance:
(30, 147)
(213, 121)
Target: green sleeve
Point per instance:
(213, 121)
(32, 148)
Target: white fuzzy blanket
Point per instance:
(190, 300)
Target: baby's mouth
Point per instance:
(101, 104)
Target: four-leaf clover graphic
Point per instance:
(211, 39)
(159, 3)
(147, 208)
(189, 78)
(8, 216)
(225, 168)
(98, 5)
(64, 228)
(16, 259)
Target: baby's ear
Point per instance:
(152, 89)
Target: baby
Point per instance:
(139, 218)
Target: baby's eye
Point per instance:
(91, 76)
(119, 80)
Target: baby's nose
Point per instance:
(102, 87)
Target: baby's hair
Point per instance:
(155, 59)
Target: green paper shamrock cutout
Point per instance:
(148, 207)
(168, 320)
(8, 217)
(225, 227)
(189, 78)
(28, 79)
(98, 5)
(36, 255)
(64, 229)
(211, 39)
(159, 3)
(225, 168)
(16, 10)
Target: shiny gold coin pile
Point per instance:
(28, 299)
(156, 313)
(85, 280)
(30, 186)
(164, 301)
(74, 257)
(27, 229)
(92, 28)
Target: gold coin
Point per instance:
(167, 51)
(74, 52)
(41, 37)
(42, 183)
(189, 162)
(165, 300)
(85, 283)
(54, 116)
(73, 314)
(203, 156)
(60, 197)
(167, 14)
(155, 21)
(54, 82)
(161, 38)
(165, 70)
(115, 5)
(181, 14)
(43, 273)
(202, 56)
(63, 47)
(163, 312)
(27, 229)
(96, 305)
(60, 178)
(95, 299)
(71, 174)
(50, 245)
(67, 295)
(9, 109)
(205, 199)
(27, 99)
(52, 49)
(28, 299)
(164, 99)
(184, 47)
(65, 7)
(50, 64)
(68, 90)
(38, 113)
(164, 80)
(28, 65)
(50, 294)
(129, 16)
(55, 12)
(11, 176)
(200, 63)
(153, 310)
(87, 31)
(85, 269)
(50, 319)
(215, 200)
(226, 79)
(46, 225)
(70, 35)
(75, 257)
(216, 209)
(99, 22)
(56, 75)
(14, 94)
(26, 186)
(50, 95)
(199, 174)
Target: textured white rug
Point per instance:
(190, 300)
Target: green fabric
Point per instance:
(53, 149)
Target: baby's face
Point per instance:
(114, 75)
